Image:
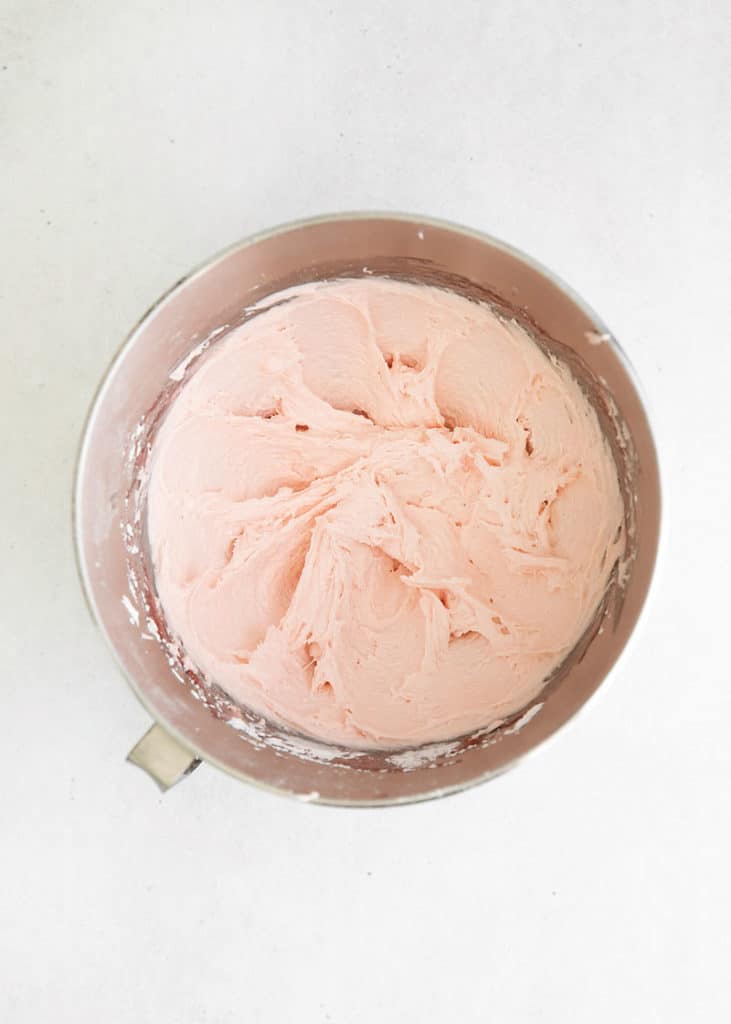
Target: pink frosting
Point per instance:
(381, 514)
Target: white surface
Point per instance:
(592, 883)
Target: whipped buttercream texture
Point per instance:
(381, 514)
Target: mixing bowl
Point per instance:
(194, 720)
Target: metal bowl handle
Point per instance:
(164, 759)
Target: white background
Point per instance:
(592, 884)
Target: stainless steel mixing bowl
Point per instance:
(194, 720)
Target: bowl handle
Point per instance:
(163, 758)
